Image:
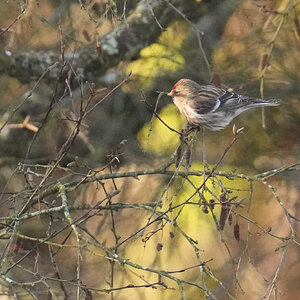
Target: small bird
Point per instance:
(209, 106)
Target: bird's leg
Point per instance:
(190, 128)
(184, 138)
(186, 131)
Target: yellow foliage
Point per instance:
(191, 221)
(175, 35)
(162, 57)
(192, 217)
(222, 54)
(284, 5)
(155, 59)
(156, 137)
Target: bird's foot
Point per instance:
(186, 131)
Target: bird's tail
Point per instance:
(253, 103)
(270, 102)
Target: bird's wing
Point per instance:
(233, 101)
(232, 98)
(208, 99)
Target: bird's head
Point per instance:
(182, 86)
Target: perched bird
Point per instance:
(209, 106)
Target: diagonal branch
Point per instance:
(122, 44)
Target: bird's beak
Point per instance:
(171, 94)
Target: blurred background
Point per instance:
(79, 84)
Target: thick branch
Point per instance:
(142, 28)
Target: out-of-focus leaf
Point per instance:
(160, 58)
(156, 137)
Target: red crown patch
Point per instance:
(174, 86)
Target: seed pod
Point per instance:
(297, 28)
(159, 246)
(204, 209)
(223, 197)
(178, 156)
(263, 61)
(230, 219)
(223, 216)
(188, 157)
(212, 204)
(225, 207)
(86, 35)
(236, 231)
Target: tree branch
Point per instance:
(123, 43)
